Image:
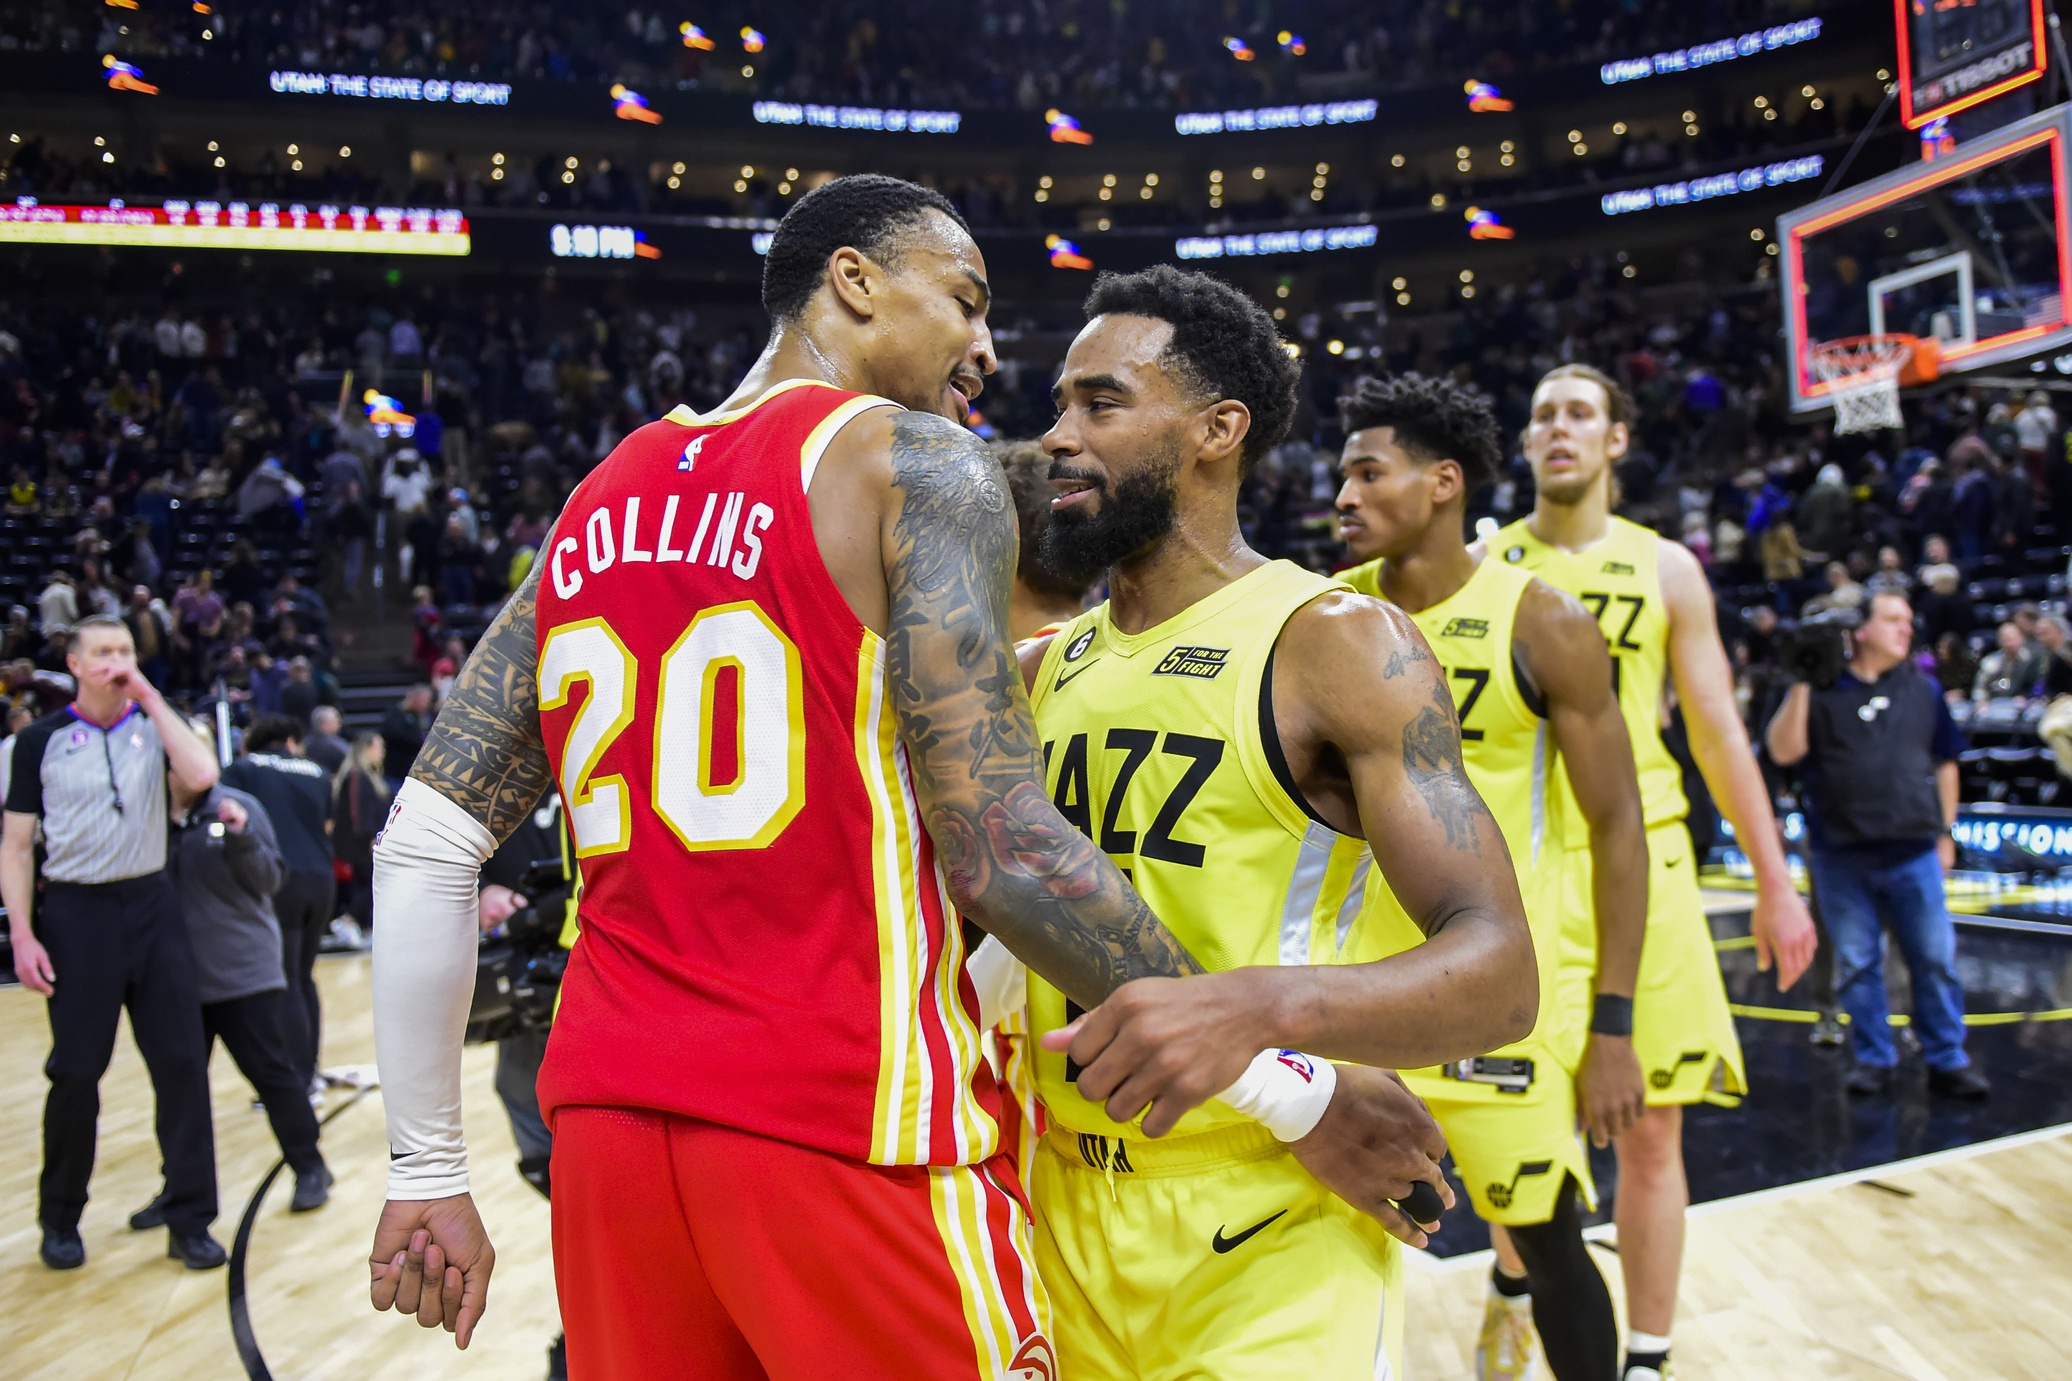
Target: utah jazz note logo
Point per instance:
(1500, 1194)
(1663, 1078)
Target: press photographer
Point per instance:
(1877, 756)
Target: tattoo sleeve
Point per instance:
(1011, 861)
(484, 751)
(1432, 761)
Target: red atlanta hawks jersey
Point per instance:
(766, 942)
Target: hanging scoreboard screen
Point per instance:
(240, 225)
(1954, 54)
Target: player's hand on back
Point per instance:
(1167, 1044)
(1375, 1143)
(432, 1258)
(1611, 1092)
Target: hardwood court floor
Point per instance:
(133, 1315)
(1969, 1279)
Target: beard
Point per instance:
(1133, 513)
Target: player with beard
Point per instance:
(1533, 684)
(764, 656)
(1236, 734)
(1653, 605)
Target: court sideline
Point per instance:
(1949, 1271)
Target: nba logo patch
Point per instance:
(1515, 555)
(1299, 1062)
(79, 738)
(690, 453)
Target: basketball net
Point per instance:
(1862, 374)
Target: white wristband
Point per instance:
(1285, 1091)
(1000, 981)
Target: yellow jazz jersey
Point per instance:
(1616, 581)
(1509, 753)
(1152, 747)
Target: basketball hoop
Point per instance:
(1862, 375)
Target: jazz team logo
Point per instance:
(1465, 628)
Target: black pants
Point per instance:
(251, 1030)
(116, 945)
(305, 907)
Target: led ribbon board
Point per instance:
(1276, 117)
(1706, 188)
(1275, 242)
(1973, 250)
(858, 117)
(238, 225)
(1954, 56)
(1707, 54)
(366, 88)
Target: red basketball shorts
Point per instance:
(687, 1249)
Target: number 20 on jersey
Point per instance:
(729, 751)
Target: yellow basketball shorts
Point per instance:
(1214, 1257)
(1682, 1030)
(1512, 1150)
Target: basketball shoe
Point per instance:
(1506, 1351)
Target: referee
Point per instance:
(109, 932)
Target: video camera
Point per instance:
(518, 973)
(1815, 648)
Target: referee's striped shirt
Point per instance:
(101, 793)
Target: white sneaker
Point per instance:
(1507, 1349)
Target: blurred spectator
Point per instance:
(2036, 431)
(58, 606)
(2012, 670)
(146, 617)
(324, 746)
(1822, 516)
(359, 804)
(299, 694)
(1843, 592)
(1943, 605)
(403, 729)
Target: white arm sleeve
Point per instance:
(427, 861)
(1001, 981)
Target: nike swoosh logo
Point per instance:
(1230, 1244)
(1074, 675)
(397, 1155)
(1673, 863)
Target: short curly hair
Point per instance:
(1433, 419)
(867, 212)
(1223, 342)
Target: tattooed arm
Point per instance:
(484, 752)
(1013, 864)
(482, 767)
(1359, 699)
(1368, 730)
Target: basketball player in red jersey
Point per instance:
(764, 656)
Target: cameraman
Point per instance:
(1879, 754)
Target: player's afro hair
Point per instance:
(1223, 342)
(867, 212)
(1434, 419)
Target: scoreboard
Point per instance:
(1954, 54)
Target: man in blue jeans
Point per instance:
(1878, 755)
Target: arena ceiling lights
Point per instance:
(237, 225)
(1719, 50)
